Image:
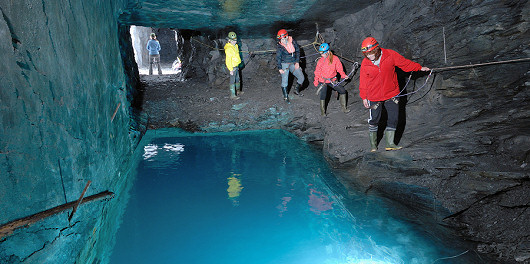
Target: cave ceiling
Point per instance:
(253, 18)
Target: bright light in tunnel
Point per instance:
(135, 38)
(139, 38)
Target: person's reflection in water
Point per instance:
(234, 188)
(319, 202)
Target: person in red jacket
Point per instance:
(378, 87)
(326, 74)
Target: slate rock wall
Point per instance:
(65, 116)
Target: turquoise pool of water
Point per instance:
(257, 197)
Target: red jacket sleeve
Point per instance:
(339, 68)
(318, 72)
(362, 80)
(404, 64)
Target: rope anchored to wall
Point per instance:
(456, 68)
(255, 51)
(479, 64)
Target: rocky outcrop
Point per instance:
(466, 130)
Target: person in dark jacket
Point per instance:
(288, 60)
(378, 87)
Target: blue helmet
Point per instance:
(324, 47)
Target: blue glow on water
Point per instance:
(256, 197)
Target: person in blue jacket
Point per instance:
(153, 46)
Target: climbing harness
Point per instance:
(335, 83)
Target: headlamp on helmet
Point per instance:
(369, 44)
(282, 33)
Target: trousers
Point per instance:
(289, 67)
(392, 109)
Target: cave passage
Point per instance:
(75, 103)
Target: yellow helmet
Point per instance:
(232, 35)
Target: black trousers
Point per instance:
(329, 86)
(392, 109)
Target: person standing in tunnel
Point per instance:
(378, 88)
(288, 60)
(326, 75)
(153, 46)
(232, 63)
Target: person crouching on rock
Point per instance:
(326, 75)
(378, 87)
(288, 60)
(232, 63)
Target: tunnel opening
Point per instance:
(171, 52)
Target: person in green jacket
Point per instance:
(232, 62)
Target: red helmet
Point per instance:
(282, 33)
(369, 44)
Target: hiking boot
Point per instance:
(238, 89)
(297, 89)
(373, 141)
(233, 92)
(390, 145)
(285, 95)
(323, 107)
(342, 98)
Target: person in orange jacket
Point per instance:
(326, 75)
(378, 87)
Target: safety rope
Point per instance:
(252, 52)
(352, 72)
(454, 68)
(204, 44)
(319, 40)
(311, 55)
(425, 83)
(479, 64)
(334, 83)
(455, 256)
(348, 60)
(356, 66)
